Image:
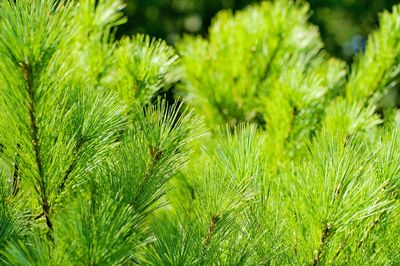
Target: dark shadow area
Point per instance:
(344, 24)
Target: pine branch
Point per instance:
(211, 230)
(324, 241)
(67, 174)
(71, 166)
(16, 177)
(378, 218)
(374, 223)
(155, 158)
(340, 249)
(27, 72)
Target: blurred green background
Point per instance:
(344, 24)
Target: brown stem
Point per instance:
(324, 240)
(155, 158)
(16, 178)
(27, 72)
(211, 229)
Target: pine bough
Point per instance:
(296, 161)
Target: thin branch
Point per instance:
(211, 230)
(340, 249)
(71, 166)
(16, 178)
(374, 223)
(66, 176)
(156, 155)
(27, 72)
(324, 240)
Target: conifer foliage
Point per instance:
(292, 165)
(82, 164)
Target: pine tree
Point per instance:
(292, 165)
